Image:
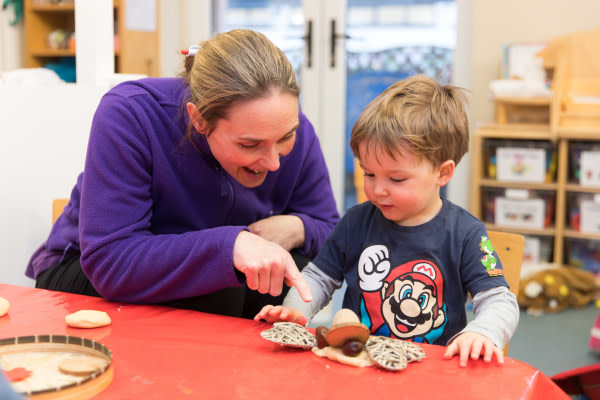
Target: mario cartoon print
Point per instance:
(407, 302)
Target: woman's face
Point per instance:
(249, 142)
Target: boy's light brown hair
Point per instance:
(417, 115)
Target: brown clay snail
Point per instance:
(346, 326)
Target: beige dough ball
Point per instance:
(4, 306)
(87, 319)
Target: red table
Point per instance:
(166, 353)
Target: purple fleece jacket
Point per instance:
(156, 219)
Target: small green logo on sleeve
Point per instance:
(488, 260)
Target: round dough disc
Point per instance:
(4, 306)
(87, 319)
(81, 366)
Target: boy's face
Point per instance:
(405, 189)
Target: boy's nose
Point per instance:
(380, 190)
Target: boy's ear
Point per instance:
(195, 118)
(445, 172)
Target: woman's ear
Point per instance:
(195, 117)
(445, 172)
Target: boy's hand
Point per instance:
(474, 345)
(281, 314)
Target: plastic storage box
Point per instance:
(583, 253)
(590, 175)
(520, 160)
(584, 212)
(535, 211)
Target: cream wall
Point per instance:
(43, 139)
(44, 131)
(11, 41)
(495, 23)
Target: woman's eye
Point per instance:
(288, 136)
(248, 146)
(368, 175)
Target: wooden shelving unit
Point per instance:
(560, 231)
(40, 20)
(136, 52)
(568, 123)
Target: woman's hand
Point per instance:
(474, 345)
(273, 314)
(267, 265)
(285, 230)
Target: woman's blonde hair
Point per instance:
(236, 66)
(417, 115)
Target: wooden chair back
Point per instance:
(359, 183)
(509, 247)
(58, 205)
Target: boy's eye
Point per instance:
(248, 146)
(398, 180)
(368, 175)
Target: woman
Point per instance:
(195, 185)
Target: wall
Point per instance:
(44, 132)
(495, 23)
(11, 41)
(43, 139)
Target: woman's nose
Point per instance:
(270, 160)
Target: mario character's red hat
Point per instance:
(422, 271)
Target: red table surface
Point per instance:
(165, 353)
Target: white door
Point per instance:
(390, 40)
(345, 52)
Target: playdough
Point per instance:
(336, 354)
(4, 306)
(347, 341)
(81, 366)
(87, 319)
(17, 374)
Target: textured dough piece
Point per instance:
(87, 319)
(290, 334)
(81, 366)
(336, 354)
(4, 306)
(387, 353)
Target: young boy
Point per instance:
(409, 257)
